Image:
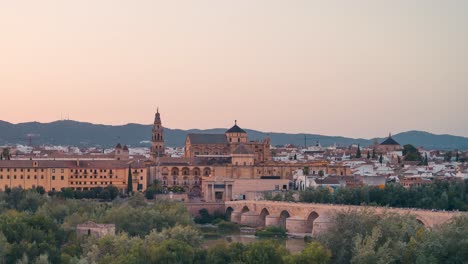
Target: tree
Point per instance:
(358, 153)
(265, 252)
(321, 173)
(6, 154)
(366, 249)
(411, 153)
(457, 156)
(129, 180)
(313, 253)
(374, 156)
(381, 158)
(448, 156)
(425, 162)
(368, 155)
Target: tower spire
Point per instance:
(157, 140)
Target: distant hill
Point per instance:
(86, 134)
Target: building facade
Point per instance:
(54, 175)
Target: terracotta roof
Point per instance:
(105, 164)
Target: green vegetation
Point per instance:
(107, 193)
(411, 153)
(129, 180)
(272, 231)
(358, 153)
(153, 189)
(365, 237)
(440, 195)
(37, 228)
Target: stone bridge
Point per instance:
(313, 218)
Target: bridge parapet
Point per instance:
(315, 218)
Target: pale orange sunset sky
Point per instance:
(356, 68)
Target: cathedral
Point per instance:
(232, 141)
(224, 166)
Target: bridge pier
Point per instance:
(321, 225)
(250, 219)
(296, 225)
(272, 220)
(236, 217)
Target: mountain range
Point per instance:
(84, 134)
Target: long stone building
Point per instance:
(54, 175)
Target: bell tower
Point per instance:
(157, 140)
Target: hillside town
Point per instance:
(226, 167)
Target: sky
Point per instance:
(360, 68)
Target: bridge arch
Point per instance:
(228, 213)
(282, 218)
(262, 218)
(245, 209)
(310, 221)
(421, 221)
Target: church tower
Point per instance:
(157, 140)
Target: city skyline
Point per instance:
(360, 69)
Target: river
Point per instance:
(294, 245)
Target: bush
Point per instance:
(272, 231)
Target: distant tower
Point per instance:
(157, 140)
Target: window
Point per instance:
(53, 178)
(42, 177)
(61, 177)
(21, 176)
(29, 177)
(53, 170)
(35, 177)
(14, 177)
(1, 177)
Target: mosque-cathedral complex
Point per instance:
(215, 167)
